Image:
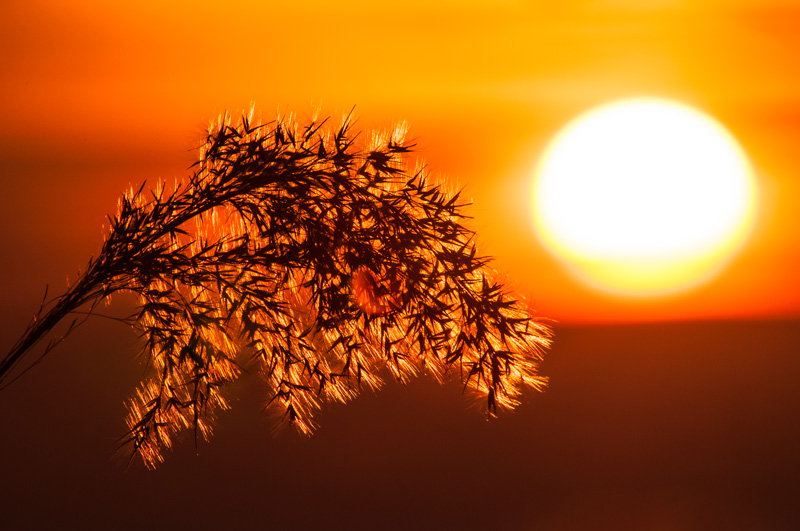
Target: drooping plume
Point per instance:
(325, 265)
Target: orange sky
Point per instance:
(99, 95)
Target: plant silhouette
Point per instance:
(327, 265)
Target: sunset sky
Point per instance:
(671, 412)
(98, 96)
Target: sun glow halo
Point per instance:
(643, 196)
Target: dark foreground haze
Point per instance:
(666, 426)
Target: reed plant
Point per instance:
(327, 261)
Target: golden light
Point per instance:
(643, 196)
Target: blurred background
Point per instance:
(677, 412)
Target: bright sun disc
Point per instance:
(643, 196)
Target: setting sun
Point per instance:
(643, 196)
